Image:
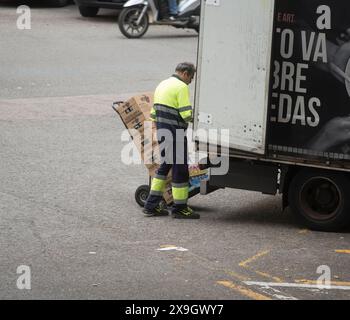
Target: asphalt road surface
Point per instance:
(67, 208)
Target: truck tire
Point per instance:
(58, 3)
(319, 199)
(88, 11)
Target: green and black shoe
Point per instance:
(186, 213)
(156, 212)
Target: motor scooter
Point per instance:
(137, 15)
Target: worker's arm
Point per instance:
(185, 108)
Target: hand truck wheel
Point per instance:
(141, 194)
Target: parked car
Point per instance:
(38, 3)
(90, 8)
(58, 3)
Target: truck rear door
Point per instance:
(233, 72)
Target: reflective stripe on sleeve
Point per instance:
(186, 115)
(188, 108)
(188, 119)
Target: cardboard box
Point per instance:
(168, 195)
(146, 110)
(136, 123)
(135, 107)
(143, 103)
(144, 98)
(143, 143)
(128, 112)
(152, 156)
(152, 169)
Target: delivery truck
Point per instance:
(275, 74)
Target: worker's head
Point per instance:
(186, 71)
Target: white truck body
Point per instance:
(233, 70)
(274, 76)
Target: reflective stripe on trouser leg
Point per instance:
(180, 193)
(158, 185)
(156, 193)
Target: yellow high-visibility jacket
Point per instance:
(172, 104)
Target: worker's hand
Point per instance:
(334, 133)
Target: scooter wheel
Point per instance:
(128, 22)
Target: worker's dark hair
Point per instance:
(186, 67)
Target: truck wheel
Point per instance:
(58, 3)
(88, 11)
(127, 22)
(319, 199)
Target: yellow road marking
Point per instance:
(243, 291)
(211, 266)
(260, 254)
(266, 275)
(229, 284)
(303, 231)
(236, 275)
(343, 251)
(244, 264)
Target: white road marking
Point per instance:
(295, 285)
(277, 294)
(172, 248)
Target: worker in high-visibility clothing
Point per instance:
(172, 112)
